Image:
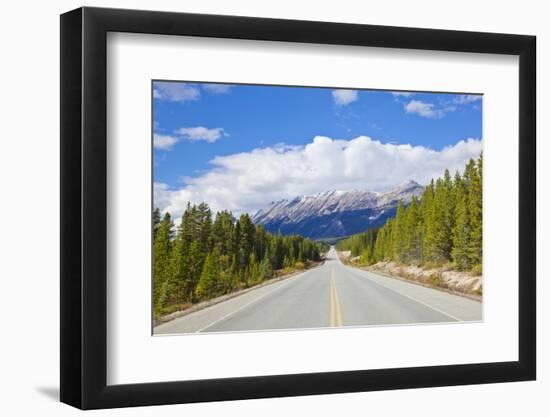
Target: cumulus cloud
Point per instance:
(164, 142)
(217, 88)
(344, 97)
(249, 181)
(175, 91)
(198, 133)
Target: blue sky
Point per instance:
(212, 140)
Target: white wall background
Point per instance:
(29, 213)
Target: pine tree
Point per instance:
(366, 256)
(413, 244)
(204, 229)
(209, 284)
(161, 259)
(277, 252)
(248, 231)
(196, 263)
(286, 262)
(398, 234)
(379, 245)
(475, 194)
(260, 242)
(438, 238)
(222, 233)
(301, 254)
(425, 211)
(156, 222)
(461, 233)
(235, 273)
(290, 251)
(362, 245)
(181, 285)
(266, 270)
(448, 217)
(254, 271)
(388, 244)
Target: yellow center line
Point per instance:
(335, 311)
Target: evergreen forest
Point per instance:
(443, 226)
(210, 255)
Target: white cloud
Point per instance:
(401, 93)
(199, 133)
(344, 97)
(466, 98)
(161, 194)
(248, 181)
(164, 142)
(175, 91)
(217, 88)
(424, 109)
(434, 111)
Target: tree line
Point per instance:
(444, 226)
(207, 256)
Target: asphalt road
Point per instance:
(331, 295)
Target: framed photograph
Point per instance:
(257, 208)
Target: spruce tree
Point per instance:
(398, 234)
(253, 270)
(260, 242)
(204, 229)
(161, 259)
(425, 212)
(379, 245)
(222, 232)
(438, 238)
(209, 284)
(413, 233)
(448, 199)
(266, 270)
(475, 194)
(156, 222)
(196, 262)
(248, 231)
(461, 234)
(181, 283)
(388, 244)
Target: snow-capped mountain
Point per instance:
(335, 213)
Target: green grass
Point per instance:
(477, 270)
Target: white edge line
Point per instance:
(405, 295)
(248, 304)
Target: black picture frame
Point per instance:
(84, 207)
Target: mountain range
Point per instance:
(335, 213)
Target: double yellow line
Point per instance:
(335, 312)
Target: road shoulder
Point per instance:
(458, 306)
(209, 303)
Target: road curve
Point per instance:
(332, 295)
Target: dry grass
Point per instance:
(443, 276)
(436, 280)
(171, 309)
(477, 270)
